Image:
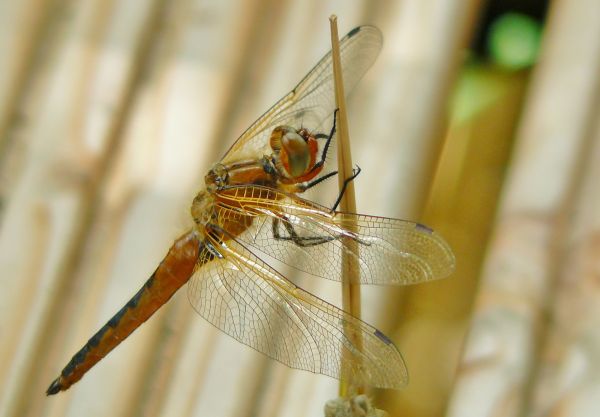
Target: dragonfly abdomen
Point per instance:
(174, 271)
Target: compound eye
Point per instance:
(295, 153)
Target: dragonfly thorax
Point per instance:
(217, 177)
(203, 208)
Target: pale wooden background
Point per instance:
(111, 112)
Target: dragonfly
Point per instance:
(251, 205)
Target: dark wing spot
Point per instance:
(423, 228)
(353, 32)
(383, 337)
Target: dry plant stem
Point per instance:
(527, 253)
(25, 380)
(350, 280)
(32, 20)
(568, 376)
(408, 120)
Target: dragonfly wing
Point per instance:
(312, 102)
(250, 301)
(309, 237)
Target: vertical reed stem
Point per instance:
(350, 279)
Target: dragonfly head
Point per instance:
(217, 177)
(294, 151)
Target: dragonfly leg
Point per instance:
(303, 241)
(300, 188)
(305, 186)
(329, 138)
(347, 181)
(307, 241)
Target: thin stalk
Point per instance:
(350, 278)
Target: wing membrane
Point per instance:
(390, 251)
(312, 101)
(250, 301)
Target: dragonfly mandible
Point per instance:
(250, 205)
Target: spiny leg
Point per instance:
(347, 181)
(305, 241)
(302, 241)
(300, 188)
(305, 186)
(329, 138)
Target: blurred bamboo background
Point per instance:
(479, 119)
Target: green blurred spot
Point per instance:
(514, 40)
(476, 89)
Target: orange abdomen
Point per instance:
(174, 271)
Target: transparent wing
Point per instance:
(250, 301)
(312, 102)
(309, 237)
